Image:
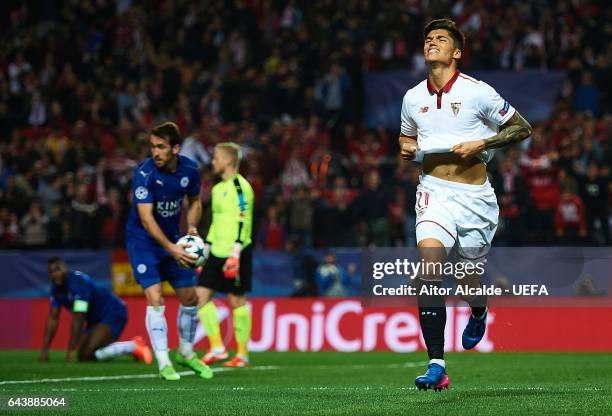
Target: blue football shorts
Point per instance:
(151, 264)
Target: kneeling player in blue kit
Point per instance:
(103, 312)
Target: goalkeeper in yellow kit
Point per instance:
(229, 265)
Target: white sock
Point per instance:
(158, 334)
(114, 350)
(187, 323)
(437, 361)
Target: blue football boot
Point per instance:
(474, 331)
(435, 378)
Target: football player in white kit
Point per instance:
(451, 123)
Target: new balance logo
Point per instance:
(424, 109)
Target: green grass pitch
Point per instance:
(322, 384)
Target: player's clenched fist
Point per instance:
(408, 151)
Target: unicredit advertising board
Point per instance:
(281, 324)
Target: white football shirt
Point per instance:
(465, 109)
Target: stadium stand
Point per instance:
(82, 82)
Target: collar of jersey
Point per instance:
(230, 179)
(446, 88)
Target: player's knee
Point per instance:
(156, 301)
(154, 298)
(154, 295)
(236, 301)
(203, 296)
(190, 299)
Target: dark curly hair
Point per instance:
(168, 131)
(448, 25)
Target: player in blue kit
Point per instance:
(103, 312)
(159, 186)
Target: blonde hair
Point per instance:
(232, 149)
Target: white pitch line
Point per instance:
(122, 377)
(190, 373)
(326, 388)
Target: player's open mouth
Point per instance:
(430, 50)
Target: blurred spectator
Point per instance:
(334, 217)
(113, 215)
(594, 189)
(271, 234)
(373, 206)
(587, 95)
(301, 215)
(50, 191)
(295, 174)
(84, 225)
(9, 229)
(539, 167)
(33, 226)
(193, 148)
(570, 219)
(332, 279)
(332, 91)
(303, 270)
(514, 202)
(287, 80)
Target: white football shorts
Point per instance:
(458, 215)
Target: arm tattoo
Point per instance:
(513, 131)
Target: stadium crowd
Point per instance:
(82, 82)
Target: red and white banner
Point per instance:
(281, 324)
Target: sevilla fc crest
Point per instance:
(455, 107)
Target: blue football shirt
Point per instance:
(81, 293)
(165, 190)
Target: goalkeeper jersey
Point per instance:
(232, 215)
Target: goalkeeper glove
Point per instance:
(231, 268)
